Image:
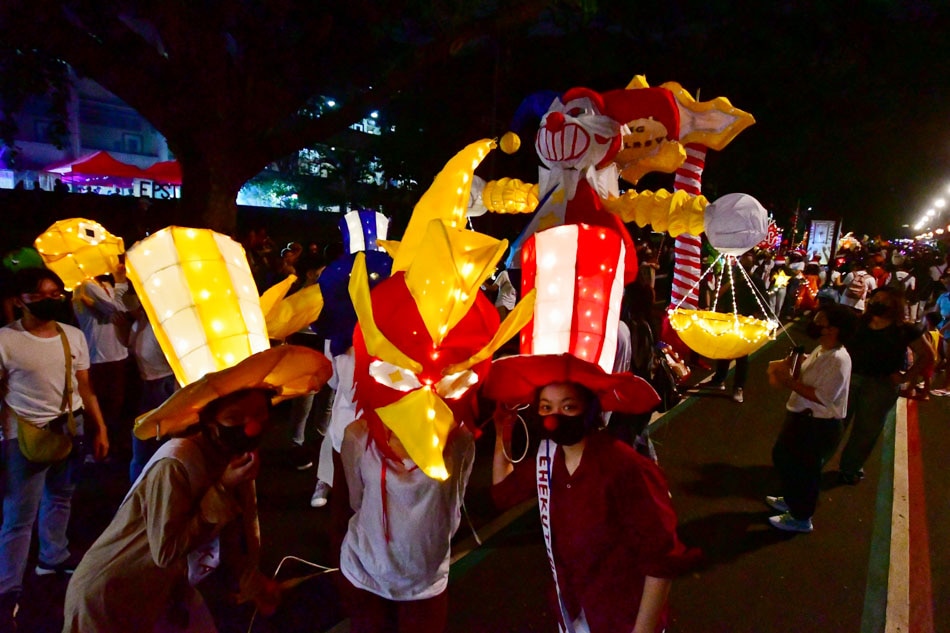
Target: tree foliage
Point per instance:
(228, 82)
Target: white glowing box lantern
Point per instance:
(198, 292)
(578, 273)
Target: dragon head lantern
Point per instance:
(425, 336)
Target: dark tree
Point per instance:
(229, 83)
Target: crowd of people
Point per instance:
(881, 324)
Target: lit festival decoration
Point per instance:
(197, 290)
(720, 335)
(78, 249)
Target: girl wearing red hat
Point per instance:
(609, 525)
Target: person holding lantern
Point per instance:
(398, 497)
(609, 525)
(194, 505)
(814, 422)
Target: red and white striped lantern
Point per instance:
(577, 270)
(687, 264)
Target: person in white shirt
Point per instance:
(33, 379)
(854, 295)
(102, 318)
(814, 422)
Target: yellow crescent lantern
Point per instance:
(78, 249)
(197, 290)
(720, 335)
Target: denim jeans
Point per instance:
(154, 393)
(870, 400)
(30, 488)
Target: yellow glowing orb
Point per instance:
(720, 335)
(781, 279)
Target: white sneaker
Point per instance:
(777, 503)
(788, 523)
(320, 494)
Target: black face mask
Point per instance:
(877, 309)
(813, 330)
(565, 430)
(46, 309)
(233, 439)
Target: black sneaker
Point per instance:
(8, 611)
(300, 457)
(66, 568)
(851, 479)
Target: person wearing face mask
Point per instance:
(44, 376)
(608, 522)
(878, 351)
(814, 420)
(194, 506)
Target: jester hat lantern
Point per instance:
(577, 273)
(78, 249)
(426, 335)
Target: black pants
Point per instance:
(742, 371)
(804, 446)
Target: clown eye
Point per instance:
(576, 112)
(393, 376)
(455, 385)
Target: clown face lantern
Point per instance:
(575, 134)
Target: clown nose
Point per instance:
(550, 423)
(253, 429)
(554, 122)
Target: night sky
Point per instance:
(850, 98)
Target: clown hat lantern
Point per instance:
(577, 272)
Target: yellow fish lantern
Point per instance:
(78, 249)
(197, 290)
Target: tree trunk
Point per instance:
(209, 193)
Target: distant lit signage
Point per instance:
(143, 188)
(821, 238)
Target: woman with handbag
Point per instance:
(44, 371)
(814, 421)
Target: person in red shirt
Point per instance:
(609, 524)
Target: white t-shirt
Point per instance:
(829, 372)
(33, 373)
(422, 515)
(95, 306)
(149, 357)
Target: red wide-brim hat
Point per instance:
(515, 380)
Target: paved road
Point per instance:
(854, 573)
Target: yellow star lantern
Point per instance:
(719, 335)
(285, 315)
(78, 249)
(781, 279)
(197, 290)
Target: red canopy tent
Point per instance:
(99, 168)
(168, 172)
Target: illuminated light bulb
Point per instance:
(435, 441)
(191, 233)
(430, 413)
(553, 288)
(217, 326)
(156, 282)
(204, 294)
(467, 268)
(549, 260)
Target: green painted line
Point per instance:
(874, 616)
(527, 522)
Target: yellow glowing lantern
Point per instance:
(721, 335)
(78, 249)
(197, 290)
(781, 279)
